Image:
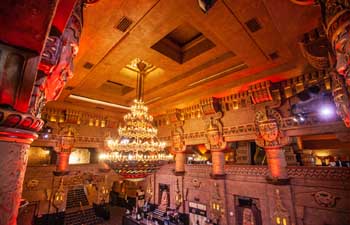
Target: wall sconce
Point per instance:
(104, 192)
(280, 215)
(216, 203)
(91, 123)
(59, 196)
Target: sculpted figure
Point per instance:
(214, 137)
(341, 98)
(178, 142)
(56, 66)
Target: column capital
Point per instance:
(18, 127)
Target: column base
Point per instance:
(217, 176)
(179, 173)
(278, 181)
(60, 173)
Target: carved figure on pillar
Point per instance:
(179, 148)
(215, 140)
(270, 137)
(336, 19)
(217, 145)
(56, 66)
(178, 142)
(341, 97)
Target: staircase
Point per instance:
(78, 211)
(84, 217)
(76, 198)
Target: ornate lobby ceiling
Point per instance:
(190, 54)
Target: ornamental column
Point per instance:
(17, 132)
(179, 148)
(62, 163)
(270, 137)
(23, 89)
(217, 146)
(66, 143)
(212, 114)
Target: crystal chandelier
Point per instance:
(137, 151)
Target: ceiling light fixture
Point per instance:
(326, 111)
(152, 100)
(99, 102)
(231, 69)
(137, 151)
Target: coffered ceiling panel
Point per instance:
(193, 54)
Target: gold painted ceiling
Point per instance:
(190, 54)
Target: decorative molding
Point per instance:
(14, 119)
(322, 173)
(70, 116)
(260, 92)
(256, 171)
(325, 199)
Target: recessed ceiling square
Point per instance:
(183, 43)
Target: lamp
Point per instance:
(216, 203)
(137, 151)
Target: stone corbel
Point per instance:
(315, 47)
(210, 106)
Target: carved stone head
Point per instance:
(269, 130)
(342, 50)
(214, 136)
(177, 141)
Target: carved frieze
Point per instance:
(325, 199)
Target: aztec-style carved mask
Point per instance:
(269, 130)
